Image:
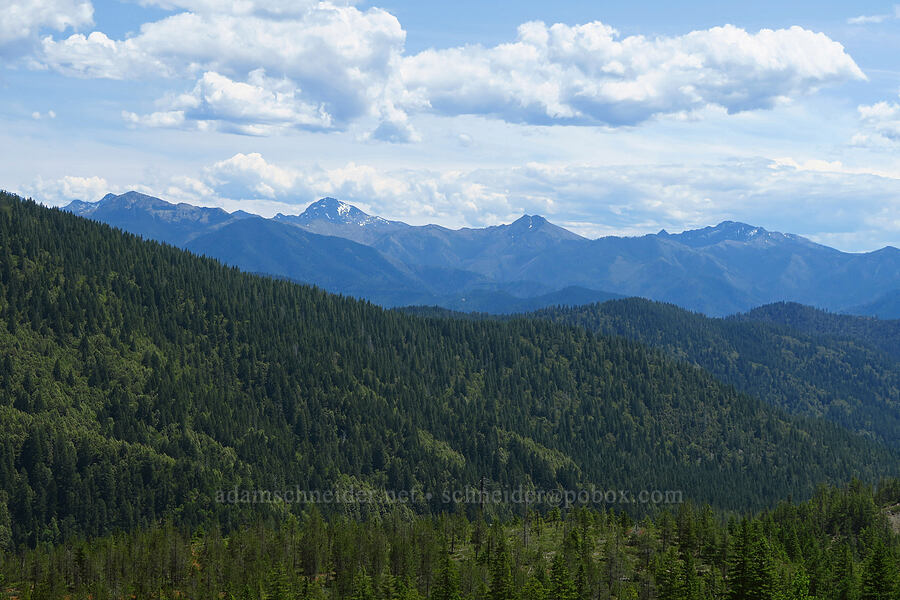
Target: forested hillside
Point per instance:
(844, 374)
(838, 546)
(879, 333)
(138, 379)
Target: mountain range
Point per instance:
(525, 265)
(138, 380)
(142, 385)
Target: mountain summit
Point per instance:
(330, 216)
(155, 218)
(732, 231)
(333, 211)
(727, 268)
(536, 223)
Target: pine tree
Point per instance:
(534, 590)
(750, 568)
(446, 587)
(800, 586)
(501, 576)
(581, 583)
(362, 587)
(879, 575)
(561, 585)
(669, 583)
(844, 580)
(691, 586)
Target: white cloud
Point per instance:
(588, 74)
(173, 119)
(452, 197)
(58, 192)
(271, 67)
(334, 65)
(825, 200)
(23, 20)
(880, 125)
(261, 106)
(240, 7)
(875, 19)
(868, 19)
(250, 176)
(37, 116)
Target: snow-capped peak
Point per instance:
(334, 211)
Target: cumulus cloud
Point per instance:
(250, 176)
(58, 192)
(880, 125)
(240, 7)
(830, 202)
(822, 199)
(333, 64)
(23, 20)
(418, 195)
(589, 74)
(261, 106)
(271, 67)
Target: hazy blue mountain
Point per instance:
(725, 269)
(321, 247)
(329, 216)
(732, 231)
(502, 302)
(884, 307)
(719, 270)
(153, 218)
(338, 265)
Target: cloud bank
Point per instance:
(588, 74)
(852, 209)
(269, 68)
(22, 20)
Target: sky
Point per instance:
(608, 118)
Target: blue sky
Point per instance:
(608, 118)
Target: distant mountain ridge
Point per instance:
(732, 231)
(154, 218)
(883, 307)
(725, 269)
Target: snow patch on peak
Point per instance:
(335, 211)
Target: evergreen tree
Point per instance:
(501, 577)
(669, 577)
(446, 587)
(879, 575)
(843, 584)
(534, 590)
(750, 568)
(562, 587)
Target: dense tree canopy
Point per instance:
(837, 546)
(138, 380)
(841, 371)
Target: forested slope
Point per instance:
(849, 380)
(837, 546)
(138, 379)
(879, 333)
